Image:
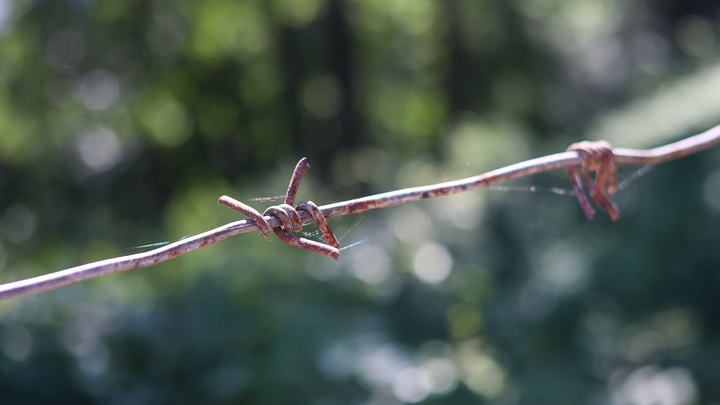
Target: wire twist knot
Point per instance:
(597, 157)
(290, 219)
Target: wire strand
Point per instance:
(65, 277)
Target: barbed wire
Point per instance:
(598, 157)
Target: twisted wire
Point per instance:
(290, 219)
(597, 157)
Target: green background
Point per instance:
(122, 122)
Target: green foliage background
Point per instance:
(122, 122)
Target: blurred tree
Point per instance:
(121, 122)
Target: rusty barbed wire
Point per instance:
(597, 157)
(579, 160)
(290, 219)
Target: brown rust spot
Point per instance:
(357, 206)
(308, 244)
(319, 218)
(300, 169)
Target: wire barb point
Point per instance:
(290, 219)
(597, 157)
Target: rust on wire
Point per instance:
(290, 219)
(300, 169)
(249, 211)
(597, 157)
(580, 160)
(308, 244)
(288, 223)
(296, 220)
(318, 216)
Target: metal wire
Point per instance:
(61, 278)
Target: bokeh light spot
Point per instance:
(380, 363)
(166, 118)
(564, 268)
(432, 263)
(99, 148)
(370, 263)
(589, 16)
(411, 224)
(464, 210)
(16, 342)
(650, 385)
(480, 372)
(98, 90)
(96, 361)
(480, 145)
(441, 375)
(18, 224)
(370, 165)
(679, 326)
(411, 385)
(695, 35)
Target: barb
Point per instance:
(566, 159)
(598, 157)
(290, 219)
